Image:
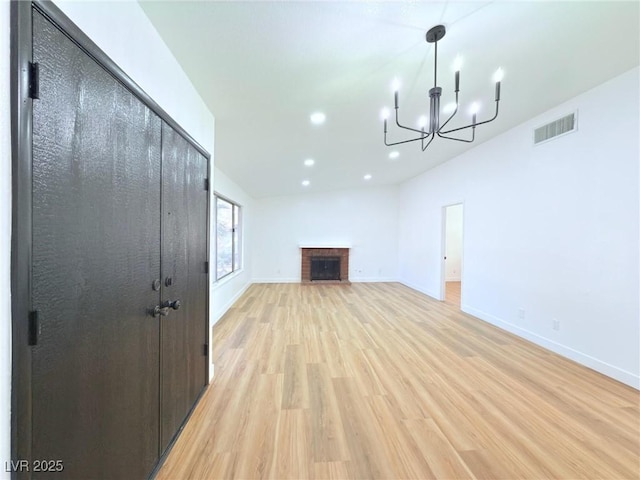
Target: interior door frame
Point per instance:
(443, 250)
(21, 191)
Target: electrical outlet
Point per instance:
(521, 313)
(556, 324)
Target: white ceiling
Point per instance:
(264, 67)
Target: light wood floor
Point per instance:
(452, 293)
(378, 381)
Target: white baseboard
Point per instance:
(612, 371)
(373, 279)
(276, 280)
(219, 312)
(457, 278)
(353, 280)
(420, 289)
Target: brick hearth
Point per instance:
(307, 253)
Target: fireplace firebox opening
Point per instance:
(325, 268)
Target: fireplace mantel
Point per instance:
(308, 251)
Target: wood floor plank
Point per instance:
(296, 389)
(291, 455)
(443, 460)
(406, 455)
(332, 470)
(379, 381)
(328, 439)
(363, 438)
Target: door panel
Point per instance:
(96, 253)
(184, 252)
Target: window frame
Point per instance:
(236, 236)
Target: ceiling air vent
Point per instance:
(555, 129)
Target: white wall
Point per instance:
(453, 251)
(552, 229)
(226, 291)
(365, 220)
(124, 33)
(5, 242)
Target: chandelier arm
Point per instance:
(424, 147)
(473, 137)
(404, 141)
(474, 124)
(406, 128)
(452, 115)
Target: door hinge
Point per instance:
(206, 184)
(34, 327)
(205, 350)
(206, 267)
(34, 80)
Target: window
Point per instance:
(228, 237)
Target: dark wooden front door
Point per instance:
(184, 252)
(96, 254)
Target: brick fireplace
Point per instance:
(307, 253)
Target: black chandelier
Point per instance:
(435, 129)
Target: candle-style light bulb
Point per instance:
(474, 111)
(422, 122)
(497, 77)
(395, 86)
(457, 65)
(384, 113)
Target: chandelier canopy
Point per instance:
(434, 35)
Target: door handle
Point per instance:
(175, 304)
(159, 311)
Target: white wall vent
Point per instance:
(555, 129)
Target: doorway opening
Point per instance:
(452, 230)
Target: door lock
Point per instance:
(159, 311)
(175, 304)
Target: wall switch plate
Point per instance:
(556, 324)
(521, 313)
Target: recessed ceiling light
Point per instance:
(393, 155)
(309, 162)
(305, 183)
(318, 118)
(367, 177)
